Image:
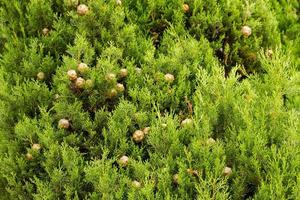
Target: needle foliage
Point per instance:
(234, 101)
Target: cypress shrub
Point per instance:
(157, 99)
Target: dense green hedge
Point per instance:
(217, 107)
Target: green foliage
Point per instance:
(228, 100)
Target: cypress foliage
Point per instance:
(157, 99)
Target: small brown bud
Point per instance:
(138, 136)
(192, 172)
(118, 2)
(36, 147)
(186, 122)
(269, 53)
(175, 178)
(227, 171)
(189, 171)
(136, 184)
(112, 93)
(210, 141)
(246, 31)
(89, 83)
(29, 156)
(169, 78)
(186, 8)
(63, 124)
(110, 77)
(80, 82)
(120, 87)
(195, 173)
(82, 68)
(146, 130)
(72, 74)
(45, 31)
(138, 70)
(82, 9)
(123, 73)
(40, 76)
(123, 161)
(56, 96)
